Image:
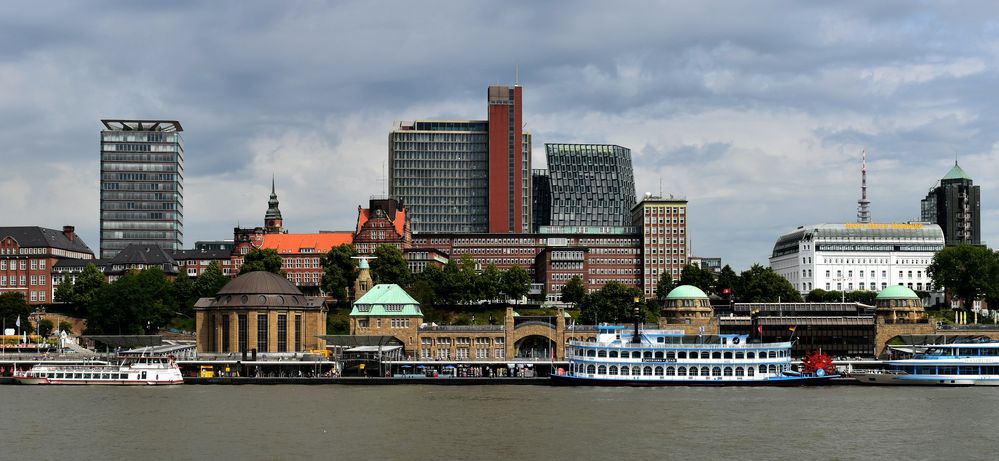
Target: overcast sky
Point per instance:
(756, 112)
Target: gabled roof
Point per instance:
(386, 300)
(398, 220)
(200, 254)
(142, 254)
(40, 237)
(956, 172)
(293, 243)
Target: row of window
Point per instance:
(683, 355)
(613, 370)
(36, 264)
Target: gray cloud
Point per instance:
(755, 111)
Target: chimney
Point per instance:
(69, 232)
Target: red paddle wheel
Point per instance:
(815, 361)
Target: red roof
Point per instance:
(399, 222)
(294, 243)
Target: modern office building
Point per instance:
(541, 199)
(662, 222)
(954, 205)
(142, 185)
(465, 175)
(591, 185)
(857, 256)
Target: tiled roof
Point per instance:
(386, 300)
(293, 243)
(142, 254)
(399, 220)
(200, 254)
(40, 237)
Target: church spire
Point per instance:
(273, 224)
(863, 205)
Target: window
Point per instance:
(243, 333)
(282, 326)
(225, 333)
(298, 332)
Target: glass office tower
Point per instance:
(591, 184)
(142, 184)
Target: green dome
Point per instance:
(897, 292)
(686, 292)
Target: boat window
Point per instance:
(693, 371)
(716, 355)
(670, 371)
(647, 371)
(613, 354)
(661, 339)
(716, 371)
(773, 368)
(87, 376)
(739, 371)
(947, 370)
(739, 355)
(728, 371)
(727, 355)
(602, 353)
(682, 371)
(750, 355)
(591, 369)
(637, 370)
(591, 353)
(659, 354)
(670, 355)
(625, 371)
(763, 369)
(613, 370)
(636, 355)
(78, 375)
(960, 370)
(705, 371)
(602, 370)
(751, 371)
(773, 354)
(58, 375)
(647, 354)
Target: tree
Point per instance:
(516, 282)
(137, 303)
(91, 280)
(700, 278)
(210, 281)
(967, 271)
(184, 293)
(390, 266)
(262, 259)
(66, 292)
(727, 280)
(65, 326)
(664, 286)
(45, 327)
(339, 271)
(763, 285)
(487, 284)
(573, 291)
(12, 307)
(614, 302)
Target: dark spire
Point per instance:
(272, 205)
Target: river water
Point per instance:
(493, 422)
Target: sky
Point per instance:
(755, 112)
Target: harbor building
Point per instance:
(954, 205)
(465, 175)
(857, 256)
(662, 222)
(28, 255)
(262, 312)
(142, 185)
(589, 185)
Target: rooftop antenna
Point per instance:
(660, 186)
(516, 78)
(384, 181)
(863, 205)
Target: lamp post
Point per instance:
(637, 314)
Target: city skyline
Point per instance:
(760, 127)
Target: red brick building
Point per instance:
(28, 254)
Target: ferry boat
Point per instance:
(671, 358)
(970, 363)
(130, 371)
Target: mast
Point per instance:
(863, 205)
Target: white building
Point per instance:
(857, 256)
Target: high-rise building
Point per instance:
(954, 205)
(662, 222)
(465, 175)
(142, 185)
(541, 199)
(591, 185)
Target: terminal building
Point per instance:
(858, 256)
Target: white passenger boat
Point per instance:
(956, 364)
(671, 358)
(130, 371)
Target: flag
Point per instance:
(759, 328)
(792, 328)
(18, 322)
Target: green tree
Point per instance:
(66, 291)
(184, 293)
(614, 302)
(700, 278)
(13, 306)
(762, 285)
(262, 259)
(45, 327)
(390, 266)
(90, 281)
(339, 271)
(137, 303)
(516, 282)
(66, 326)
(210, 281)
(727, 280)
(968, 272)
(573, 291)
(488, 282)
(664, 286)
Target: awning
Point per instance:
(373, 348)
(126, 340)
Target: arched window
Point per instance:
(728, 371)
(647, 355)
(716, 371)
(647, 371)
(659, 354)
(602, 370)
(716, 355)
(670, 355)
(739, 371)
(727, 355)
(693, 371)
(682, 371)
(658, 371)
(613, 354)
(670, 371)
(750, 355)
(705, 371)
(613, 370)
(591, 353)
(751, 371)
(681, 355)
(739, 355)
(591, 369)
(763, 369)
(773, 368)
(636, 355)
(601, 353)
(773, 354)
(625, 371)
